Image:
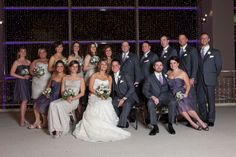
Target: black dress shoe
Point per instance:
(154, 131)
(171, 129)
(126, 126)
(211, 124)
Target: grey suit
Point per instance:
(131, 66)
(209, 69)
(166, 56)
(153, 87)
(189, 64)
(123, 88)
(146, 64)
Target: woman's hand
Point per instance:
(26, 77)
(70, 99)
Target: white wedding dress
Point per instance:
(99, 123)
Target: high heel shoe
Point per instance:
(24, 123)
(35, 126)
(199, 128)
(206, 128)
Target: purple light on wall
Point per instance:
(100, 8)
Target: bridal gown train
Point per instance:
(99, 123)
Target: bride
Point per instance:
(99, 123)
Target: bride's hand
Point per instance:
(69, 99)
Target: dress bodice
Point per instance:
(176, 84)
(55, 86)
(73, 84)
(20, 68)
(98, 82)
(45, 67)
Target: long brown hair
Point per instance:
(99, 66)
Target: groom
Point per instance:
(123, 94)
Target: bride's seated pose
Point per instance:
(99, 123)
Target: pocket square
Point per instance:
(164, 56)
(211, 56)
(121, 81)
(146, 61)
(185, 54)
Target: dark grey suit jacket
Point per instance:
(210, 67)
(131, 66)
(189, 62)
(146, 64)
(165, 58)
(153, 87)
(124, 88)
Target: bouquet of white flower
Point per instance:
(94, 60)
(65, 61)
(102, 92)
(47, 92)
(179, 95)
(24, 72)
(80, 62)
(39, 71)
(67, 93)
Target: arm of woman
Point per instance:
(110, 83)
(70, 58)
(187, 84)
(13, 71)
(91, 83)
(86, 63)
(82, 90)
(32, 66)
(63, 85)
(51, 64)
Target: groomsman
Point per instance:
(210, 65)
(167, 52)
(189, 62)
(157, 91)
(147, 60)
(129, 63)
(123, 94)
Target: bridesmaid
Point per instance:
(107, 52)
(179, 83)
(76, 55)
(58, 114)
(42, 103)
(20, 70)
(58, 47)
(39, 83)
(89, 68)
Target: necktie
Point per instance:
(181, 52)
(202, 53)
(160, 78)
(116, 78)
(123, 57)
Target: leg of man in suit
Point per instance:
(115, 102)
(125, 113)
(201, 97)
(211, 105)
(153, 117)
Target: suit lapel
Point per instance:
(206, 55)
(156, 80)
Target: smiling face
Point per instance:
(115, 66)
(204, 39)
(60, 68)
(103, 66)
(125, 47)
(42, 53)
(108, 52)
(158, 67)
(59, 49)
(74, 68)
(22, 53)
(174, 64)
(164, 41)
(76, 47)
(183, 40)
(93, 49)
(146, 47)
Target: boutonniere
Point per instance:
(185, 54)
(209, 52)
(127, 57)
(121, 81)
(211, 56)
(164, 56)
(165, 51)
(146, 61)
(184, 50)
(165, 76)
(119, 77)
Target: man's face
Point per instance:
(164, 41)
(125, 47)
(204, 39)
(183, 40)
(115, 66)
(146, 47)
(158, 67)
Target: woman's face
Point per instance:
(22, 53)
(60, 68)
(76, 47)
(173, 64)
(42, 54)
(103, 66)
(59, 49)
(74, 69)
(108, 52)
(93, 48)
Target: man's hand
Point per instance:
(155, 100)
(121, 103)
(191, 81)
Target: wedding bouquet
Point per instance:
(65, 61)
(80, 62)
(47, 92)
(39, 71)
(94, 60)
(67, 93)
(24, 72)
(179, 95)
(102, 92)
